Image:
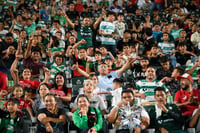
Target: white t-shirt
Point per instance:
(116, 96)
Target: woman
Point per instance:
(51, 118)
(87, 119)
(60, 88)
(43, 89)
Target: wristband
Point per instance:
(116, 107)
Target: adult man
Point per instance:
(85, 31)
(193, 68)
(147, 86)
(195, 121)
(127, 115)
(164, 116)
(106, 78)
(187, 98)
(195, 37)
(107, 29)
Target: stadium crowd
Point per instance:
(124, 66)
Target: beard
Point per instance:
(185, 87)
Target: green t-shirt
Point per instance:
(31, 29)
(61, 19)
(8, 124)
(86, 34)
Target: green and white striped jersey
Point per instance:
(194, 74)
(108, 28)
(55, 68)
(59, 48)
(147, 88)
(18, 26)
(166, 47)
(53, 32)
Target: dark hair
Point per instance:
(82, 48)
(127, 31)
(119, 81)
(14, 100)
(53, 95)
(164, 59)
(131, 85)
(120, 14)
(127, 91)
(98, 52)
(166, 33)
(82, 95)
(64, 87)
(181, 44)
(41, 85)
(148, 31)
(198, 72)
(9, 34)
(27, 89)
(92, 75)
(180, 70)
(17, 85)
(159, 89)
(36, 49)
(125, 45)
(110, 13)
(102, 46)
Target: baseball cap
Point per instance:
(185, 76)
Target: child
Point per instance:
(28, 96)
(57, 66)
(18, 93)
(116, 93)
(3, 93)
(11, 121)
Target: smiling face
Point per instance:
(83, 102)
(50, 102)
(150, 73)
(103, 69)
(18, 92)
(26, 74)
(60, 80)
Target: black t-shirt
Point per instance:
(161, 73)
(138, 74)
(154, 61)
(182, 59)
(49, 114)
(72, 15)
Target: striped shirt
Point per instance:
(53, 32)
(108, 28)
(194, 74)
(55, 68)
(59, 48)
(18, 26)
(147, 88)
(166, 47)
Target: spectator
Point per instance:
(96, 101)
(71, 13)
(119, 114)
(85, 31)
(149, 40)
(86, 118)
(51, 118)
(165, 29)
(38, 104)
(3, 80)
(60, 89)
(183, 56)
(11, 120)
(140, 69)
(165, 70)
(18, 92)
(107, 29)
(148, 85)
(195, 121)
(154, 57)
(3, 32)
(103, 4)
(164, 115)
(125, 40)
(195, 39)
(171, 82)
(193, 68)
(187, 98)
(120, 26)
(116, 8)
(78, 6)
